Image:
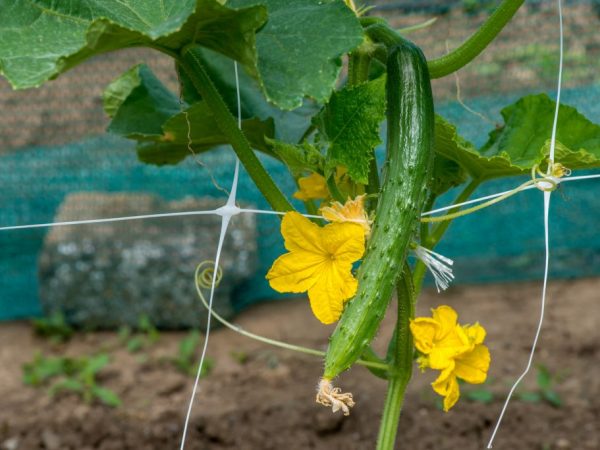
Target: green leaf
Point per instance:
(96, 363)
(524, 140)
(139, 104)
(452, 146)
(530, 397)
(135, 344)
(299, 48)
(544, 378)
(446, 175)
(205, 132)
(553, 398)
(106, 396)
(42, 369)
(144, 109)
(350, 124)
(68, 384)
(205, 135)
(484, 396)
(290, 126)
(188, 346)
(526, 134)
(299, 158)
(41, 39)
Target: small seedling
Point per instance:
(240, 356)
(146, 335)
(146, 327)
(545, 391)
(78, 375)
(186, 360)
(479, 393)
(53, 327)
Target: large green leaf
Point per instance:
(350, 123)
(139, 104)
(299, 48)
(290, 126)
(524, 140)
(142, 108)
(446, 175)
(452, 146)
(204, 134)
(526, 134)
(300, 158)
(39, 39)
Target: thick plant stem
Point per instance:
(466, 52)
(478, 41)
(358, 72)
(358, 67)
(192, 64)
(400, 362)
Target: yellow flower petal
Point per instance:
(300, 234)
(424, 331)
(446, 317)
(328, 295)
(456, 350)
(472, 367)
(344, 241)
(319, 262)
(447, 386)
(295, 272)
(352, 211)
(475, 333)
(312, 187)
(441, 358)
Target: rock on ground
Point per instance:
(108, 275)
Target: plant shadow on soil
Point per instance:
(258, 397)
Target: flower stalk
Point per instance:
(400, 360)
(379, 31)
(192, 63)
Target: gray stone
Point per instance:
(108, 275)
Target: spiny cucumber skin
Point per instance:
(410, 156)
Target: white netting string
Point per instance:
(547, 197)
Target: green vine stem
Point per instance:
(359, 64)
(478, 41)
(203, 280)
(191, 62)
(466, 52)
(400, 363)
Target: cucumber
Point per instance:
(410, 122)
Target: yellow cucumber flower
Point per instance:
(312, 187)
(319, 262)
(352, 211)
(455, 350)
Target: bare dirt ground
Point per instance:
(265, 400)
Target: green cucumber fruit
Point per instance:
(410, 122)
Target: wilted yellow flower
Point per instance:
(312, 187)
(456, 350)
(319, 262)
(352, 211)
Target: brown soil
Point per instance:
(267, 402)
